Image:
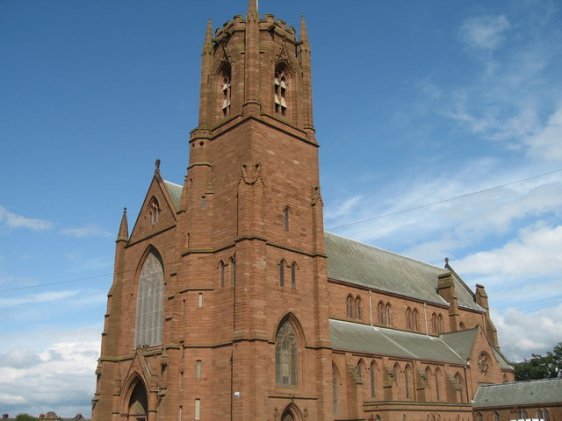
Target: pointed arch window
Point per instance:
(358, 308)
(373, 378)
(282, 265)
(409, 318)
(415, 320)
(294, 275)
(437, 382)
(381, 313)
(428, 384)
(281, 88)
(225, 88)
(459, 387)
(221, 273)
(154, 209)
(335, 390)
(232, 262)
(408, 377)
(286, 213)
(350, 307)
(286, 346)
(440, 324)
(434, 324)
(150, 300)
(388, 314)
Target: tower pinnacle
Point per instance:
(253, 6)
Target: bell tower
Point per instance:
(253, 217)
(219, 307)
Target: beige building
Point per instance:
(230, 302)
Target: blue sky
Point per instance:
(416, 103)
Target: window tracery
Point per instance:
(150, 302)
(286, 355)
(281, 86)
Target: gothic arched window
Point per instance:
(221, 273)
(437, 383)
(459, 387)
(358, 308)
(350, 307)
(408, 377)
(373, 378)
(415, 320)
(282, 265)
(232, 262)
(286, 213)
(294, 275)
(434, 323)
(154, 210)
(225, 89)
(281, 88)
(381, 313)
(388, 314)
(408, 318)
(440, 324)
(150, 300)
(428, 384)
(286, 355)
(335, 390)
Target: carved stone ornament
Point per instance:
(251, 172)
(484, 362)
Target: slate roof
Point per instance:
(368, 266)
(463, 342)
(536, 392)
(375, 268)
(175, 192)
(366, 339)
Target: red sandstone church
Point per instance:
(230, 302)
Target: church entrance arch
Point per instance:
(138, 404)
(291, 413)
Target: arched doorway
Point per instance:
(287, 416)
(138, 404)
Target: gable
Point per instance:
(167, 196)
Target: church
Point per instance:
(229, 301)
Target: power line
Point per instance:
(450, 199)
(426, 205)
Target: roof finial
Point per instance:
(304, 34)
(446, 261)
(157, 167)
(253, 6)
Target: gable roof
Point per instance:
(368, 266)
(536, 392)
(356, 337)
(462, 342)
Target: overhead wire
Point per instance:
(362, 221)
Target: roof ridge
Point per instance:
(171, 182)
(389, 252)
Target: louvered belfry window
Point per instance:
(286, 355)
(281, 92)
(150, 303)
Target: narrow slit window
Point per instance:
(294, 275)
(282, 265)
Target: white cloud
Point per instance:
(342, 209)
(521, 334)
(36, 298)
(12, 220)
(484, 32)
(532, 254)
(546, 144)
(86, 231)
(62, 372)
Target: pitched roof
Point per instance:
(536, 392)
(462, 342)
(368, 266)
(356, 337)
(175, 192)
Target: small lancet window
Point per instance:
(281, 83)
(232, 262)
(358, 308)
(286, 355)
(350, 307)
(282, 265)
(294, 275)
(154, 208)
(286, 212)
